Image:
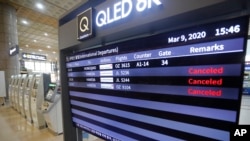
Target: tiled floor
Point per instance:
(14, 127)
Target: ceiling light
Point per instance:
(46, 34)
(24, 22)
(40, 50)
(27, 45)
(35, 41)
(40, 6)
(54, 52)
(48, 46)
(20, 49)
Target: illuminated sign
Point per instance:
(84, 25)
(14, 50)
(123, 9)
(34, 56)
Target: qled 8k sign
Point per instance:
(123, 9)
(181, 85)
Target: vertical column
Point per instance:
(8, 39)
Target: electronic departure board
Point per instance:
(181, 85)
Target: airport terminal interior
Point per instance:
(36, 25)
(61, 80)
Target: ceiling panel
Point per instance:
(40, 22)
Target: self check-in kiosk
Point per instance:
(16, 92)
(12, 95)
(10, 88)
(27, 93)
(39, 89)
(52, 108)
(21, 94)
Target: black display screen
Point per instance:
(52, 86)
(181, 85)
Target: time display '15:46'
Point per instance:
(225, 31)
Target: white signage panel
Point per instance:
(34, 56)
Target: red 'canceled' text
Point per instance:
(212, 93)
(210, 70)
(210, 81)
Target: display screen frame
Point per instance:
(176, 33)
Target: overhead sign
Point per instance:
(123, 9)
(84, 25)
(34, 57)
(14, 50)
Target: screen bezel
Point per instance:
(93, 48)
